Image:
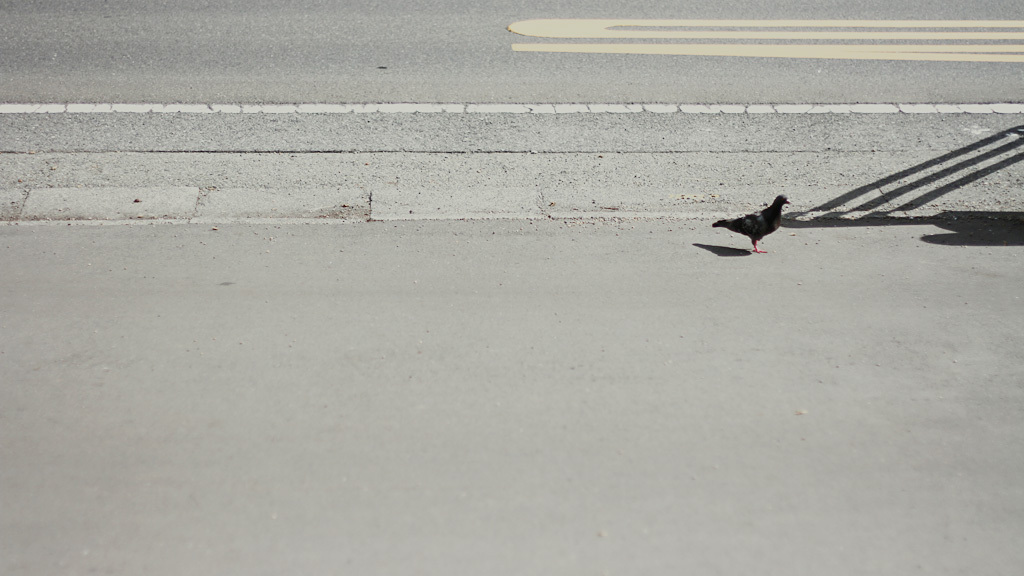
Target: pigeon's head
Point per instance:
(780, 200)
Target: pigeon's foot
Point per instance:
(756, 251)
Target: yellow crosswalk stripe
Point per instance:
(989, 31)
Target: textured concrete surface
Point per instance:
(387, 166)
(109, 203)
(641, 132)
(217, 204)
(509, 397)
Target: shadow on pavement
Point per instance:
(964, 228)
(724, 250)
(872, 204)
(979, 229)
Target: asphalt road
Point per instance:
(388, 51)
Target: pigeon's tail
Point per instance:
(721, 224)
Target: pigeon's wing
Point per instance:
(752, 225)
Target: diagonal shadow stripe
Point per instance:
(852, 195)
(961, 182)
(931, 178)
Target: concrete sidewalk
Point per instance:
(223, 168)
(510, 397)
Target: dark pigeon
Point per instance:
(757, 225)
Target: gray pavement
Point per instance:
(501, 340)
(447, 51)
(264, 344)
(217, 168)
(509, 397)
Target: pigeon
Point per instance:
(757, 225)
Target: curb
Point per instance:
(528, 108)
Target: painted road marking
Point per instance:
(827, 30)
(489, 108)
(927, 52)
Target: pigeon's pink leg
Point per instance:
(758, 251)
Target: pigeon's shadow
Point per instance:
(724, 250)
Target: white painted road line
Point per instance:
(485, 108)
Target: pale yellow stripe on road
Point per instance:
(620, 28)
(927, 52)
(814, 35)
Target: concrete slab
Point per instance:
(499, 128)
(512, 165)
(230, 203)
(403, 203)
(11, 203)
(109, 203)
(987, 177)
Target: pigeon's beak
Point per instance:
(787, 201)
